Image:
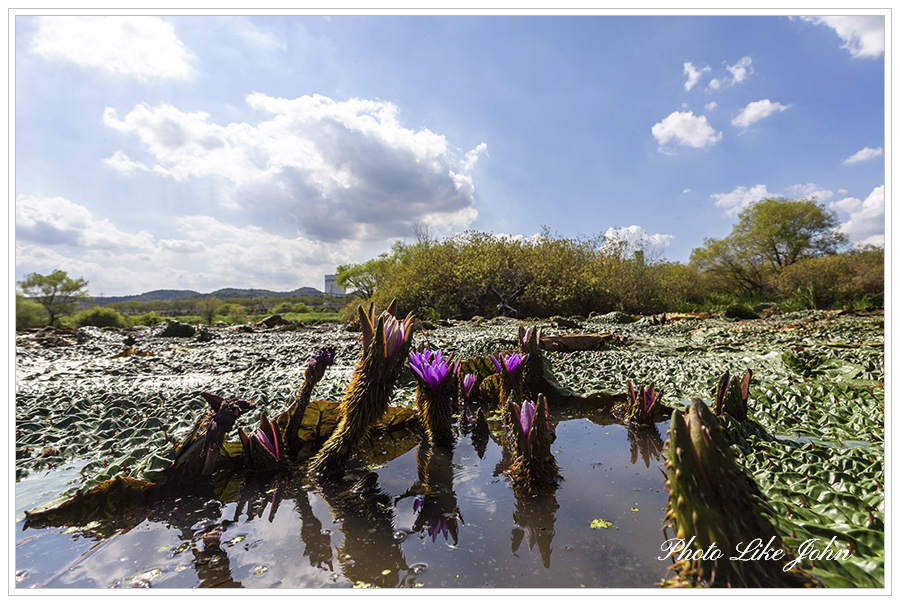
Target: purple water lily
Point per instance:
(226, 413)
(266, 436)
(396, 332)
(525, 416)
(510, 362)
(468, 382)
(431, 367)
(641, 401)
(323, 358)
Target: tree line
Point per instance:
(787, 252)
(782, 251)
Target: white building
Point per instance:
(332, 288)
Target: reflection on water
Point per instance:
(430, 517)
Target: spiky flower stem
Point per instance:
(369, 393)
(437, 410)
(290, 421)
(714, 502)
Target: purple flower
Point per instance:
(468, 382)
(525, 416)
(395, 332)
(226, 413)
(641, 401)
(323, 358)
(510, 362)
(430, 367)
(266, 437)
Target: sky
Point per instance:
(202, 152)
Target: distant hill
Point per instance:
(188, 294)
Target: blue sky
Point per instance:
(200, 152)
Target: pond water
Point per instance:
(378, 529)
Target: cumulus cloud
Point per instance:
(693, 75)
(740, 198)
(634, 238)
(739, 72)
(862, 36)
(756, 111)
(866, 223)
(684, 128)
(343, 170)
(809, 191)
(58, 221)
(140, 47)
(711, 105)
(864, 154)
(199, 252)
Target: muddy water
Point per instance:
(382, 532)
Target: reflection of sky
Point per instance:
(598, 482)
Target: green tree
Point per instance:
(58, 293)
(29, 314)
(781, 231)
(769, 235)
(207, 307)
(366, 277)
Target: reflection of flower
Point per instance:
(433, 520)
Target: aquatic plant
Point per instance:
(731, 395)
(435, 394)
(263, 448)
(290, 421)
(533, 468)
(385, 345)
(510, 367)
(468, 383)
(198, 453)
(642, 405)
(713, 506)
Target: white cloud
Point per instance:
(866, 222)
(711, 105)
(740, 70)
(58, 221)
(140, 47)
(634, 238)
(684, 128)
(342, 170)
(863, 36)
(740, 198)
(201, 252)
(810, 190)
(864, 154)
(756, 111)
(122, 163)
(693, 75)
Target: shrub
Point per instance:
(832, 281)
(100, 317)
(740, 311)
(29, 313)
(150, 319)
